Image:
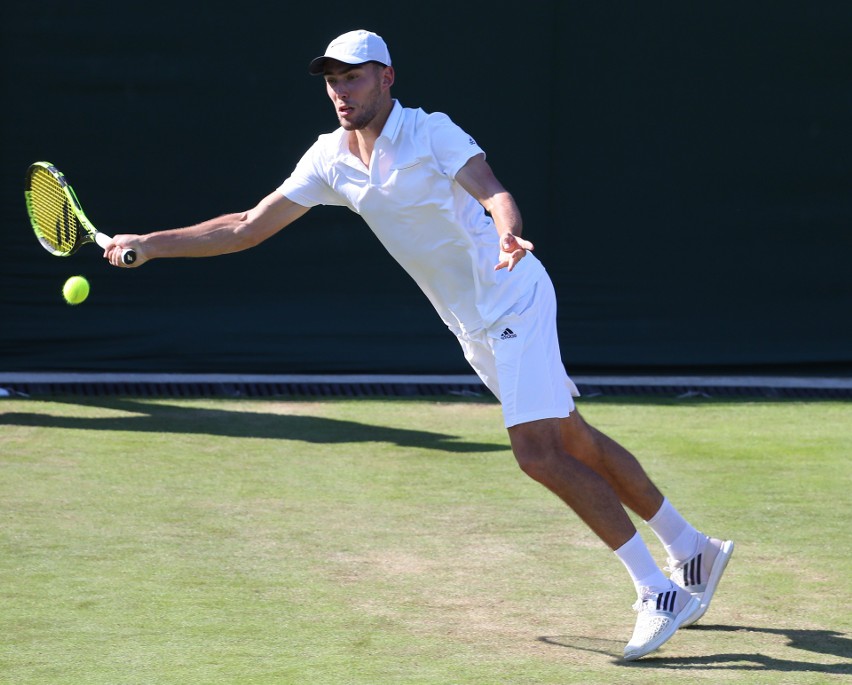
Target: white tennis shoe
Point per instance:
(661, 613)
(700, 574)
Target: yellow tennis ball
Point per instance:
(75, 290)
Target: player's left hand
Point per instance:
(512, 250)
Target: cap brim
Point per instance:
(316, 67)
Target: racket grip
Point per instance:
(128, 256)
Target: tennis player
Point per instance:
(423, 186)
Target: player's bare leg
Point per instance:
(614, 463)
(663, 607)
(538, 447)
(697, 561)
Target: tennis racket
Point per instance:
(57, 216)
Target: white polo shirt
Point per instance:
(409, 198)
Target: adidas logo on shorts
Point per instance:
(508, 333)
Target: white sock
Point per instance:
(678, 537)
(640, 565)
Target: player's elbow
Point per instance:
(271, 215)
(248, 233)
(247, 239)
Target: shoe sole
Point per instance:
(691, 607)
(719, 566)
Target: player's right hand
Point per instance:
(119, 244)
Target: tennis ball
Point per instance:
(75, 290)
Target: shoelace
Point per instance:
(646, 594)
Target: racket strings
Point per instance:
(57, 225)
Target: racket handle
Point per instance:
(128, 256)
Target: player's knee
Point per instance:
(537, 448)
(537, 463)
(530, 463)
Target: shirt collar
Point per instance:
(394, 123)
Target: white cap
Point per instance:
(355, 47)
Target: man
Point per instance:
(424, 188)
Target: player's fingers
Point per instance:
(510, 261)
(112, 253)
(515, 257)
(518, 255)
(511, 242)
(507, 243)
(515, 243)
(115, 252)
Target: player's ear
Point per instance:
(388, 77)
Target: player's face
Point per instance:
(358, 93)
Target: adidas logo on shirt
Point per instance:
(508, 333)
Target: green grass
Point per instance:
(396, 541)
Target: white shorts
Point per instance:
(518, 359)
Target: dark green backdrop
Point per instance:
(685, 170)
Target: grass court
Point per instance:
(395, 541)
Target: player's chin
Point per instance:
(350, 124)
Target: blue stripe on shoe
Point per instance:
(665, 601)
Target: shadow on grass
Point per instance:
(166, 418)
(827, 642)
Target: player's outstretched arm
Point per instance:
(222, 235)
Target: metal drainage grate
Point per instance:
(253, 389)
(364, 386)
